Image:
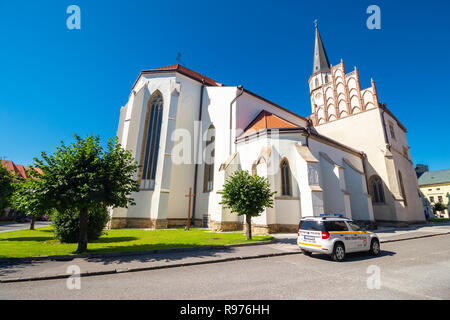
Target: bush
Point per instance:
(67, 224)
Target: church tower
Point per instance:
(320, 76)
(343, 111)
(333, 93)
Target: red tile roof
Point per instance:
(17, 169)
(267, 120)
(187, 72)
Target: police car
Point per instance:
(336, 236)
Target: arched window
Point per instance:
(208, 181)
(317, 82)
(150, 142)
(376, 189)
(286, 187)
(402, 188)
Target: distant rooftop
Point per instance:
(18, 169)
(435, 177)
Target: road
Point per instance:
(4, 227)
(411, 269)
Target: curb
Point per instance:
(416, 237)
(176, 265)
(128, 253)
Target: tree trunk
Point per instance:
(33, 220)
(83, 239)
(248, 233)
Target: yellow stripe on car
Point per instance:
(309, 244)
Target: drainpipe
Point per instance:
(196, 162)
(241, 88)
(364, 158)
(308, 131)
(386, 139)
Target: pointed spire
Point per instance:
(321, 63)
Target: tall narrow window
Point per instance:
(402, 188)
(150, 142)
(208, 181)
(376, 189)
(286, 188)
(391, 129)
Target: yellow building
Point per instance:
(435, 187)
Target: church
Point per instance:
(190, 132)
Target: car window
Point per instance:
(354, 226)
(312, 225)
(339, 226)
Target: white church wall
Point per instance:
(359, 200)
(182, 142)
(148, 204)
(287, 208)
(342, 191)
(414, 210)
(248, 154)
(215, 111)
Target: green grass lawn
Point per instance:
(440, 219)
(41, 242)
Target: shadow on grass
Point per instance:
(114, 239)
(28, 239)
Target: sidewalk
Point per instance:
(13, 270)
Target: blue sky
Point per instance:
(55, 82)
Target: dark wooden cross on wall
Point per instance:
(190, 196)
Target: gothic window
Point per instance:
(391, 129)
(402, 188)
(376, 189)
(326, 78)
(150, 142)
(208, 177)
(286, 188)
(431, 199)
(317, 82)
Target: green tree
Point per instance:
(83, 175)
(439, 207)
(29, 197)
(6, 188)
(247, 195)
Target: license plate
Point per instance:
(309, 238)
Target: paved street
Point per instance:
(410, 269)
(20, 226)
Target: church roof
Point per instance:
(321, 63)
(185, 71)
(17, 169)
(267, 120)
(434, 177)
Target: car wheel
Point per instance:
(306, 253)
(338, 252)
(374, 247)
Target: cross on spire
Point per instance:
(321, 63)
(178, 58)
